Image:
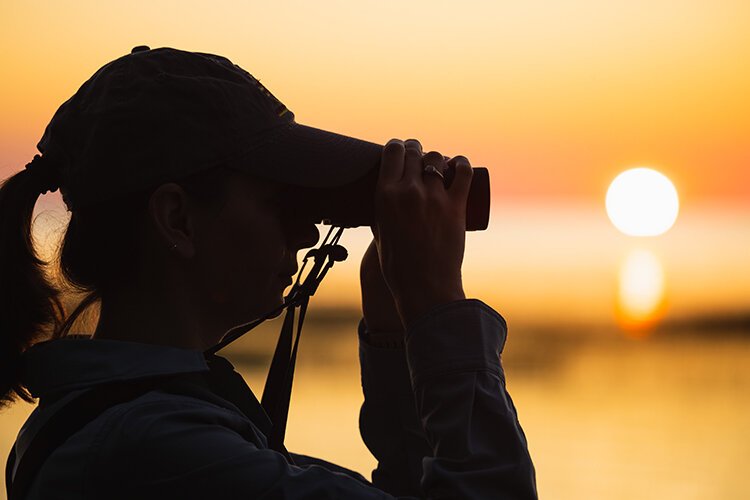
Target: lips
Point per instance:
(291, 272)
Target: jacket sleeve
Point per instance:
(437, 416)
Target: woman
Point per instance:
(176, 168)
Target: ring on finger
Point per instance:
(432, 169)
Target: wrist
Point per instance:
(417, 305)
(384, 338)
(383, 325)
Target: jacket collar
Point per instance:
(72, 363)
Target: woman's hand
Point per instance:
(419, 233)
(378, 306)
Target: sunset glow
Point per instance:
(617, 139)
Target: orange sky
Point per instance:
(555, 98)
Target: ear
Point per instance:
(172, 218)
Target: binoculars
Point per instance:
(352, 205)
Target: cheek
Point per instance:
(246, 261)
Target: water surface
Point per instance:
(606, 416)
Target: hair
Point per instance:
(96, 254)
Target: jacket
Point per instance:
(436, 416)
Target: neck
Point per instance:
(151, 316)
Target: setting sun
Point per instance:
(642, 202)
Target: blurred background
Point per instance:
(628, 357)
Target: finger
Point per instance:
(414, 143)
(391, 162)
(438, 161)
(462, 177)
(412, 160)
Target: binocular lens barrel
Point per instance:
(352, 205)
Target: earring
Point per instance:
(174, 247)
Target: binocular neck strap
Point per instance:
(277, 392)
(278, 389)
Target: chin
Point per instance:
(276, 315)
(267, 301)
(273, 303)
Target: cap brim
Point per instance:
(306, 156)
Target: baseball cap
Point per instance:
(156, 115)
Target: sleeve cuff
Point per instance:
(460, 336)
(383, 340)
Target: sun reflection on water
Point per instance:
(640, 301)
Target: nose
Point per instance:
(303, 235)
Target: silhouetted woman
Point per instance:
(179, 171)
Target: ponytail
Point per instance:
(98, 253)
(30, 306)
